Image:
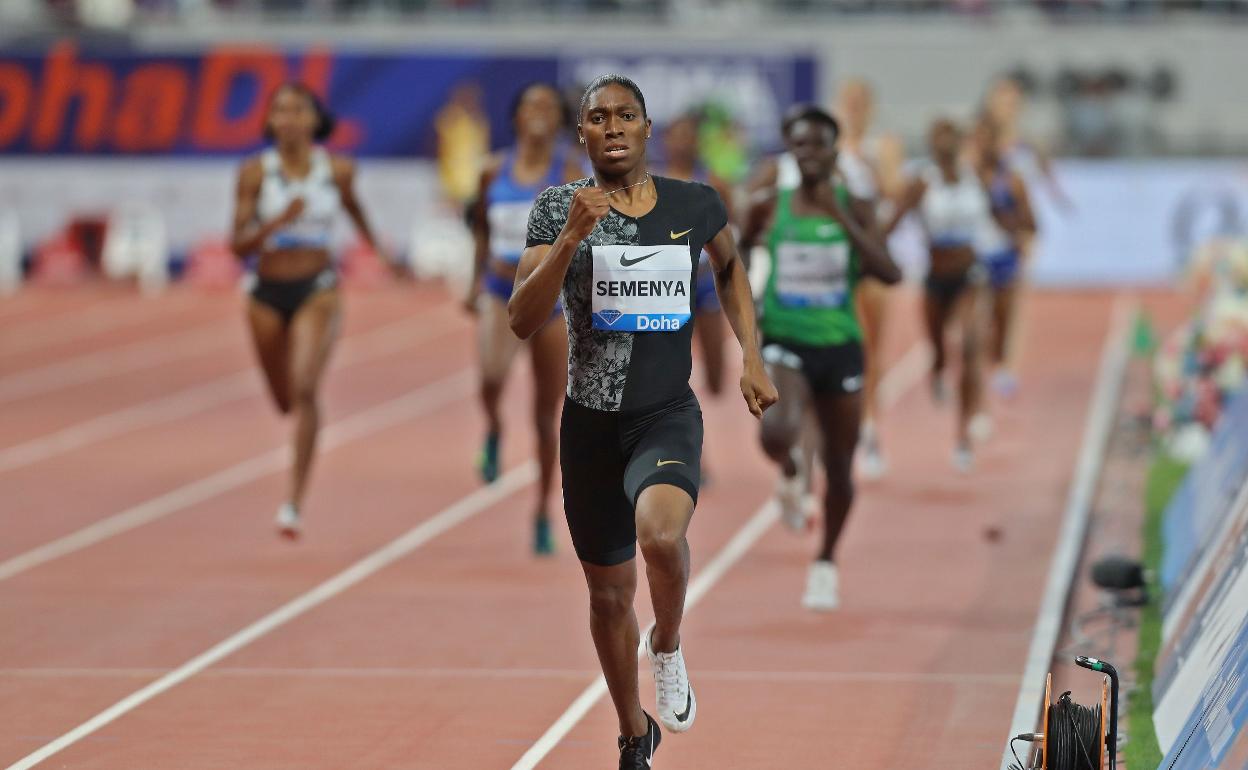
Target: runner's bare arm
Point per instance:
(763, 177)
(1044, 161)
(480, 235)
(724, 189)
(1025, 222)
(910, 197)
(860, 223)
(539, 276)
(733, 287)
(757, 219)
(248, 234)
(344, 179)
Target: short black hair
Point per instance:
(602, 81)
(325, 120)
(813, 113)
(565, 111)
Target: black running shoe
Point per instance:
(636, 752)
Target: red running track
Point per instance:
(152, 544)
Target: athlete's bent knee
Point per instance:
(610, 600)
(777, 440)
(658, 542)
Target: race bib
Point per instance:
(812, 274)
(509, 229)
(641, 288)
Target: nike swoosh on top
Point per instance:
(661, 463)
(688, 707)
(626, 262)
(680, 234)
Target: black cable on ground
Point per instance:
(1074, 738)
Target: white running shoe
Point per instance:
(288, 522)
(791, 497)
(871, 460)
(675, 700)
(871, 463)
(980, 427)
(963, 459)
(823, 587)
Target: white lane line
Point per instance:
(90, 320)
(366, 346)
(897, 381)
(1095, 441)
(422, 400)
(904, 375)
(422, 533)
(101, 364)
(166, 408)
(764, 677)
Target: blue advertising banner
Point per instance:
(1204, 499)
(1201, 690)
(70, 101)
(1215, 737)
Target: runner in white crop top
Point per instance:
(952, 205)
(287, 201)
(321, 200)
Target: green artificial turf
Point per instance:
(1142, 751)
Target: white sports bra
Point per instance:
(953, 213)
(321, 201)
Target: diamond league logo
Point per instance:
(609, 317)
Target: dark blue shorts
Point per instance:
(501, 287)
(498, 285)
(705, 299)
(1003, 268)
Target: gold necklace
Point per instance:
(625, 187)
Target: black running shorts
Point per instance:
(834, 369)
(608, 458)
(286, 297)
(945, 288)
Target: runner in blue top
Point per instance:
(1001, 244)
(509, 184)
(681, 161)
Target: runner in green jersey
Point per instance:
(821, 242)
